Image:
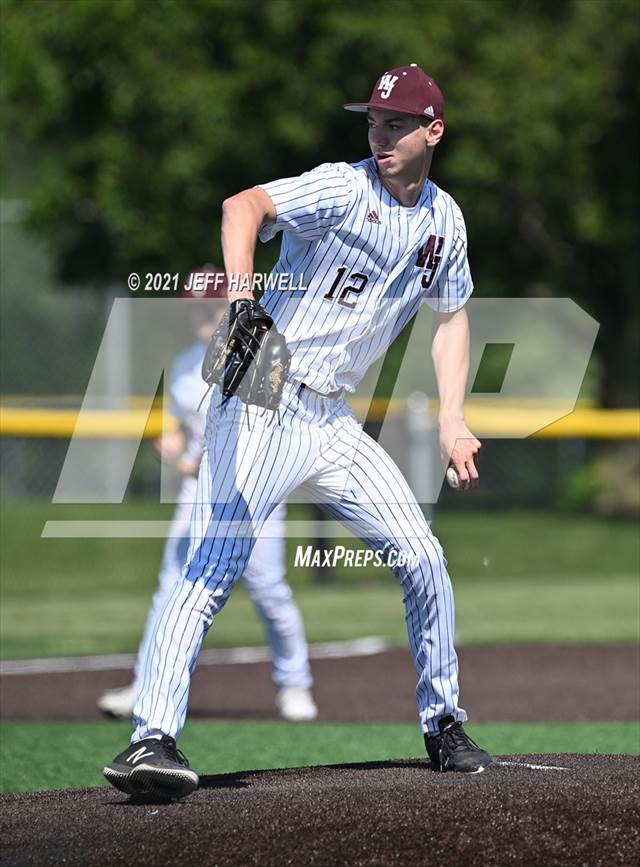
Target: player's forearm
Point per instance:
(450, 353)
(242, 217)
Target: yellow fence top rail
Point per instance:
(514, 419)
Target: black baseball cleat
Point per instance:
(152, 767)
(453, 749)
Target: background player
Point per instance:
(374, 241)
(264, 576)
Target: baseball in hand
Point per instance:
(453, 480)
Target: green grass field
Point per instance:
(518, 577)
(554, 610)
(37, 756)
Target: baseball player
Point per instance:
(373, 241)
(264, 576)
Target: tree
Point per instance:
(131, 122)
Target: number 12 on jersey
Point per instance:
(359, 280)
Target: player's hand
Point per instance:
(459, 447)
(169, 446)
(187, 466)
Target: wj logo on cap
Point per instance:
(386, 84)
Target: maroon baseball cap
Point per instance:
(205, 283)
(407, 89)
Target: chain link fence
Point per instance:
(577, 474)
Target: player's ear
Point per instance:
(434, 132)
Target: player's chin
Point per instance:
(385, 165)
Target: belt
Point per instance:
(330, 396)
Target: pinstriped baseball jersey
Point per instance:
(367, 263)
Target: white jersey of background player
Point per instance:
(264, 576)
(373, 241)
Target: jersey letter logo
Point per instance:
(429, 257)
(386, 85)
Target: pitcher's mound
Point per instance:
(544, 809)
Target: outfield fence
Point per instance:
(553, 466)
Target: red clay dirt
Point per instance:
(497, 683)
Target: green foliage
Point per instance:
(127, 129)
(50, 755)
(580, 489)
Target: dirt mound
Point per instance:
(573, 810)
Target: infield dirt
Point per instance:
(529, 683)
(582, 811)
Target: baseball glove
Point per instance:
(247, 356)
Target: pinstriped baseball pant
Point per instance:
(264, 580)
(250, 464)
